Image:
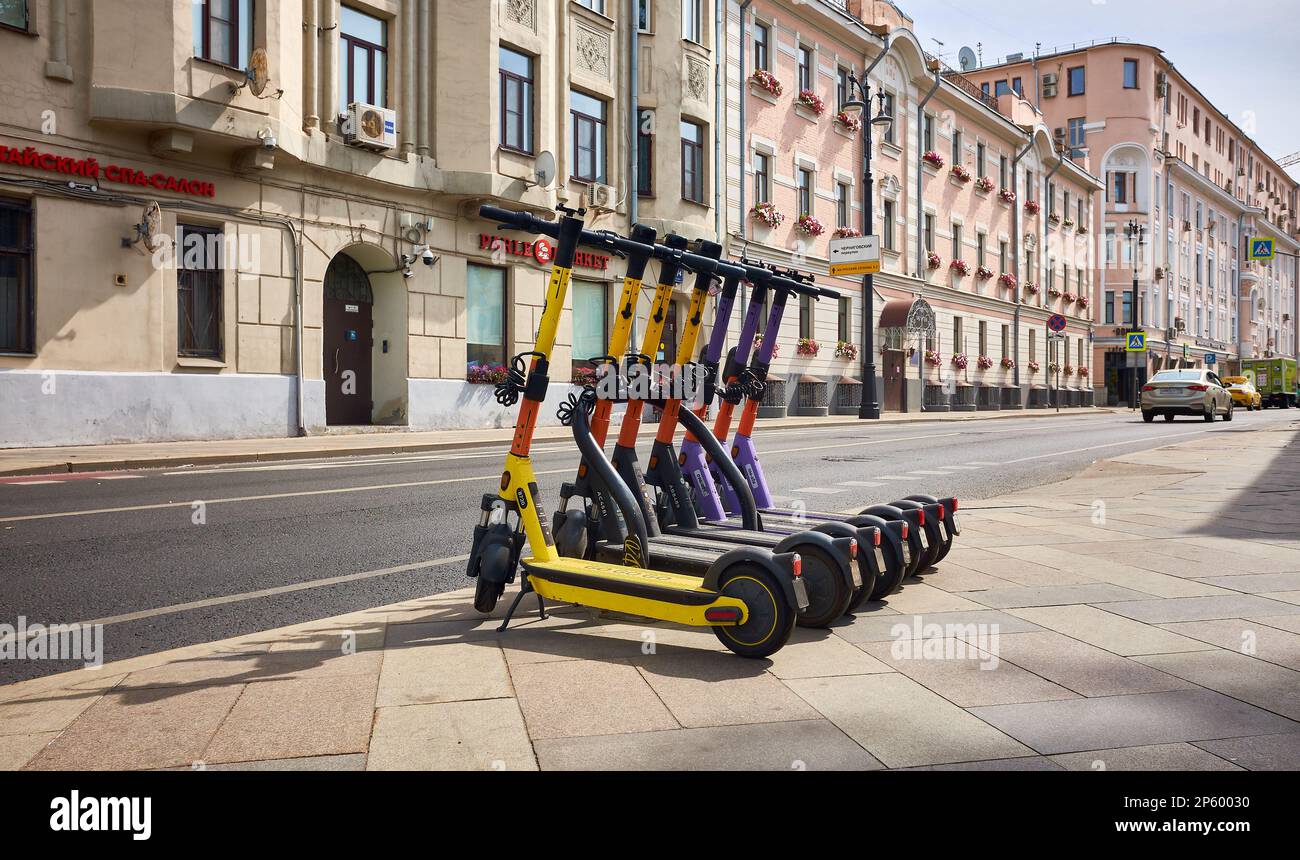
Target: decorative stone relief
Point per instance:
(591, 51)
(522, 12)
(697, 79)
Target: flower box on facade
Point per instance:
(984, 362)
(848, 123)
(933, 358)
(846, 350)
(807, 347)
(983, 273)
(984, 185)
(960, 360)
(846, 233)
(1007, 281)
(959, 174)
(766, 82)
(810, 101)
(933, 261)
(1008, 363)
(933, 159)
(809, 226)
(960, 268)
(766, 214)
(1032, 288)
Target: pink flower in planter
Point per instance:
(1006, 195)
(984, 362)
(960, 360)
(1034, 366)
(1070, 298)
(807, 346)
(1082, 371)
(1084, 301)
(485, 374)
(933, 260)
(812, 101)
(844, 349)
(852, 122)
(1032, 207)
(1008, 363)
(933, 158)
(1007, 280)
(984, 184)
(1032, 288)
(758, 344)
(961, 173)
(846, 233)
(809, 226)
(766, 213)
(767, 81)
(961, 267)
(932, 357)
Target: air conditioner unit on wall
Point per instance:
(602, 197)
(370, 126)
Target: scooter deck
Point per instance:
(689, 559)
(658, 594)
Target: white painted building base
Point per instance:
(41, 409)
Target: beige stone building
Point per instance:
(188, 250)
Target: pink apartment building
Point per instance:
(1197, 186)
(983, 226)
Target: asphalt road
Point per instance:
(171, 557)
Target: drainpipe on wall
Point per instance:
(409, 114)
(920, 176)
(634, 111)
(1045, 211)
(1241, 243)
(327, 28)
(310, 39)
(1015, 261)
(719, 77)
(744, 147)
(424, 95)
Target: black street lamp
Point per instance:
(870, 406)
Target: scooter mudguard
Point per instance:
(746, 457)
(696, 471)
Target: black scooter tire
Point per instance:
(770, 617)
(947, 541)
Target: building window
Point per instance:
(761, 40)
(762, 178)
(1127, 301)
(805, 68)
(587, 149)
(643, 22)
(984, 337)
(590, 321)
(927, 133)
(980, 240)
(1000, 88)
(198, 291)
(1130, 74)
(805, 316)
(516, 100)
(223, 29)
(929, 232)
(17, 291)
(363, 50)
(692, 162)
(1006, 341)
(887, 231)
(1017, 87)
(693, 21)
(1002, 171)
(14, 14)
(645, 147)
(1033, 345)
(485, 316)
(956, 148)
(956, 241)
(1076, 79)
(842, 213)
(981, 160)
(805, 191)
(593, 5)
(1002, 257)
(1076, 132)
(888, 108)
(958, 342)
(841, 87)
(846, 319)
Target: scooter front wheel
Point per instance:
(769, 617)
(488, 588)
(829, 595)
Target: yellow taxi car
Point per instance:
(1243, 392)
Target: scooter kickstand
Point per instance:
(524, 590)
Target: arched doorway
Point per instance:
(348, 340)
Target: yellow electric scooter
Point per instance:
(750, 609)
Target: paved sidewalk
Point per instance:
(377, 440)
(1144, 614)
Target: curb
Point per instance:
(549, 434)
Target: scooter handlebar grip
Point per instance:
(519, 220)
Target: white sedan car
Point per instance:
(1193, 391)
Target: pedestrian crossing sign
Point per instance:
(1137, 341)
(1261, 249)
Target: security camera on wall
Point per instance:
(428, 257)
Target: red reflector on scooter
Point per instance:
(853, 547)
(920, 518)
(954, 504)
(904, 531)
(798, 565)
(942, 512)
(720, 614)
(875, 536)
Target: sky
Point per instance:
(1244, 55)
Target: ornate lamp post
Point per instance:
(1137, 239)
(870, 406)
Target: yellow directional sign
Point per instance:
(855, 255)
(1260, 248)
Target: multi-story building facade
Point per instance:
(1195, 185)
(297, 271)
(983, 227)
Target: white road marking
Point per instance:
(978, 463)
(858, 444)
(965, 468)
(370, 460)
(269, 592)
(117, 477)
(820, 491)
(1108, 445)
(929, 472)
(128, 508)
(892, 478)
(861, 484)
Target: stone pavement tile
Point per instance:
(584, 639)
(902, 723)
(964, 675)
(17, 750)
(321, 763)
(1255, 583)
(1053, 595)
(1101, 569)
(706, 690)
(1273, 688)
(804, 745)
(1114, 633)
(918, 597)
(1199, 608)
(141, 730)
(1261, 752)
(1290, 623)
(331, 637)
(1075, 725)
(447, 672)
(233, 669)
(887, 628)
(484, 735)
(1080, 667)
(1231, 548)
(52, 708)
(1284, 596)
(1179, 756)
(292, 719)
(952, 577)
(1029, 762)
(1269, 644)
(572, 698)
(820, 653)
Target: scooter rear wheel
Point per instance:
(488, 589)
(769, 616)
(828, 594)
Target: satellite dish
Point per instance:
(149, 231)
(544, 169)
(966, 59)
(257, 72)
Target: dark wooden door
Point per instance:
(894, 369)
(347, 340)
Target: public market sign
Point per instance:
(540, 250)
(90, 169)
(858, 255)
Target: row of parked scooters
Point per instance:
(693, 537)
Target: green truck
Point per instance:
(1275, 379)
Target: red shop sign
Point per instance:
(91, 169)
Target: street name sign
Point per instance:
(857, 255)
(1136, 341)
(1261, 249)
(1056, 322)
